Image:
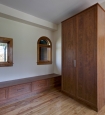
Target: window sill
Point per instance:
(44, 62)
(5, 64)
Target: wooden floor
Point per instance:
(51, 102)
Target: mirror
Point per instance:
(44, 54)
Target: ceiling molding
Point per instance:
(10, 13)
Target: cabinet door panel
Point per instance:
(3, 94)
(86, 55)
(39, 84)
(19, 90)
(69, 41)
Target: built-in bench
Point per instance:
(16, 90)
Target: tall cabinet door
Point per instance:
(69, 43)
(86, 56)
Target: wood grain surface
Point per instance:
(83, 40)
(3, 94)
(69, 42)
(87, 56)
(101, 57)
(15, 93)
(26, 80)
(51, 102)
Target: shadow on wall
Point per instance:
(57, 36)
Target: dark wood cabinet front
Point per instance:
(69, 33)
(3, 94)
(83, 57)
(19, 90)
(39, 84)
(86, 56)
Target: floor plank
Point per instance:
(51, 102)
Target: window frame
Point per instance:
(9, 42)
(40, 62)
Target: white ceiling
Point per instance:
(51, 10)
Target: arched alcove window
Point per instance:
(44, 51)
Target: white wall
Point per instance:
(58, 48)
(24, 50)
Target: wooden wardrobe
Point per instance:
(83, 57)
